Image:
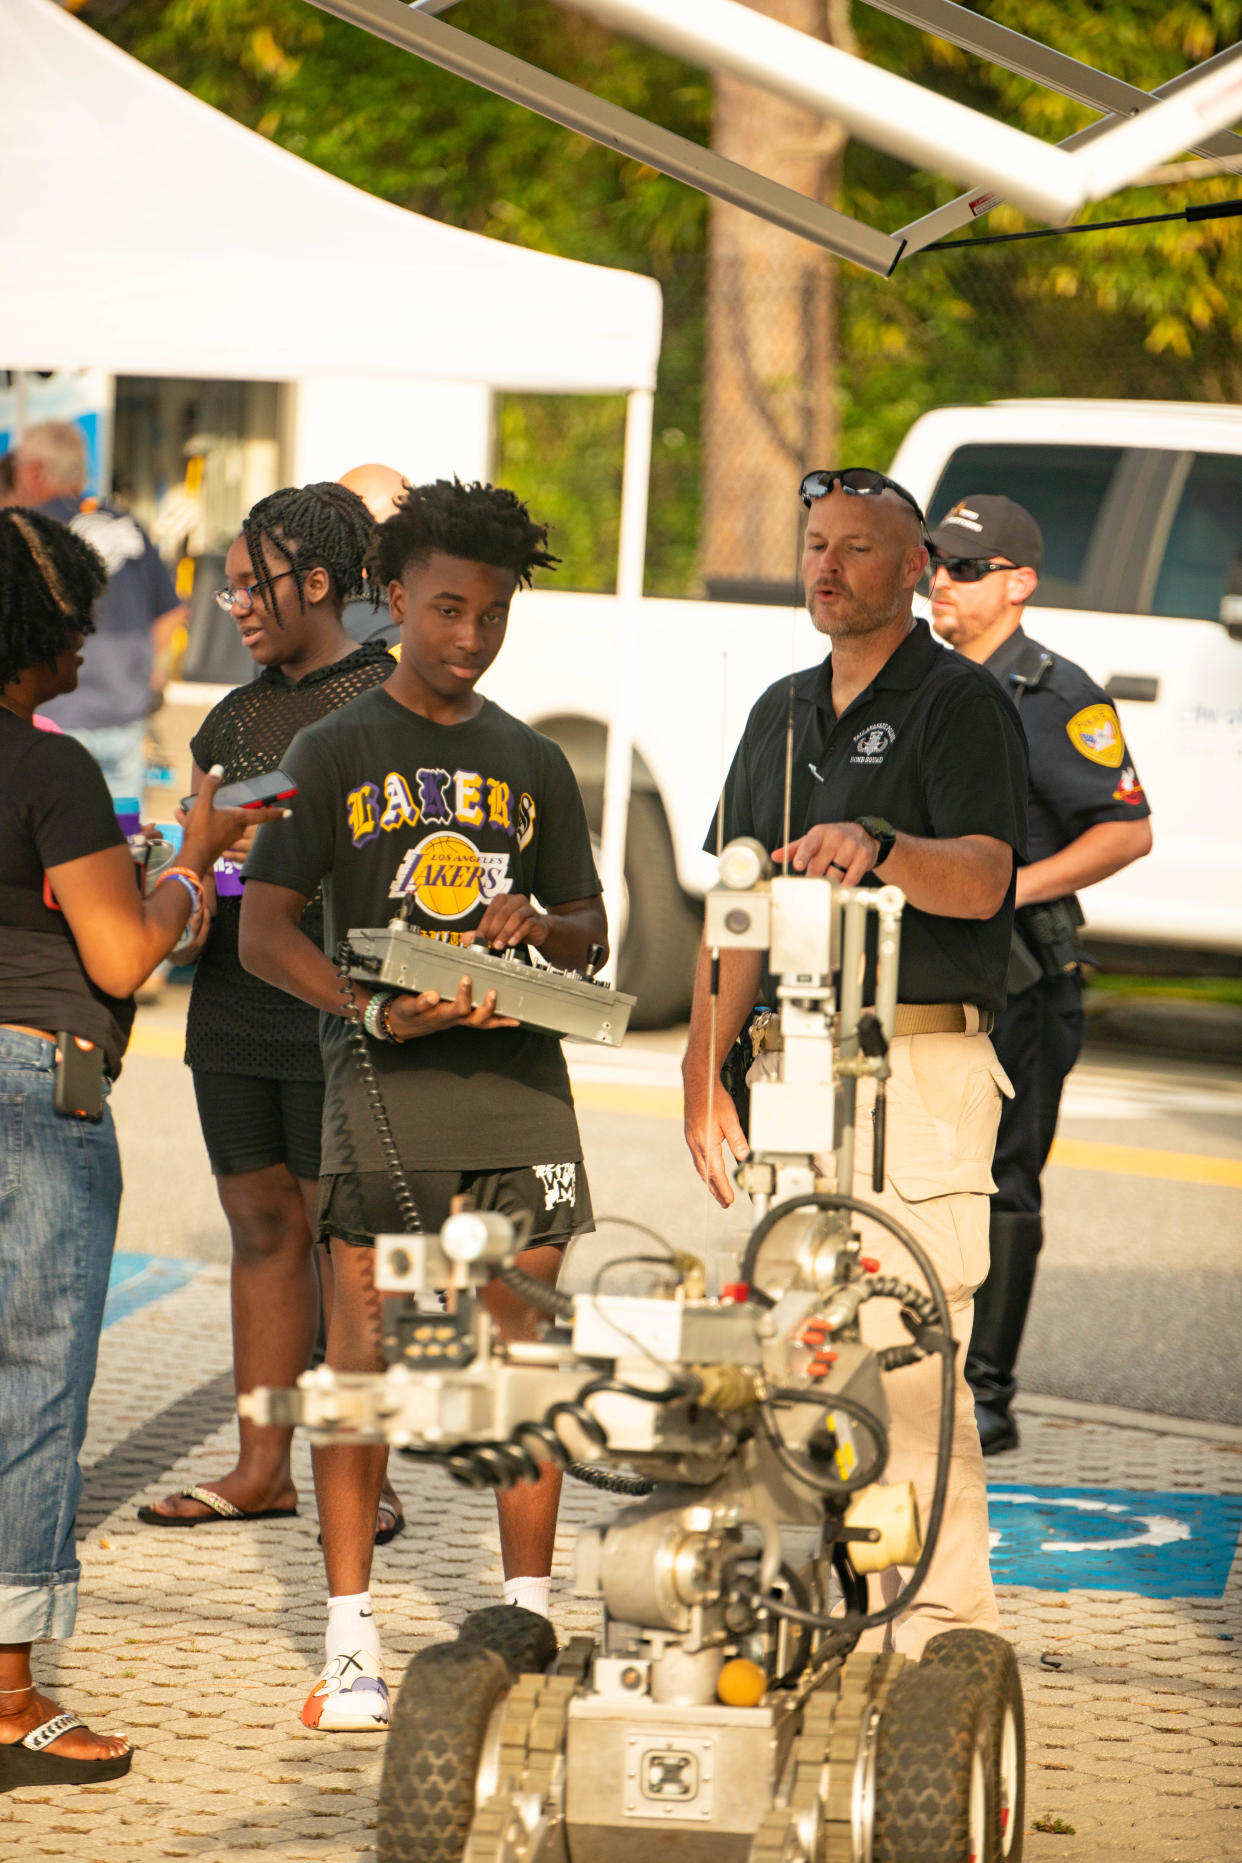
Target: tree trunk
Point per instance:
(770, 386)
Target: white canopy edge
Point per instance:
(152, 235)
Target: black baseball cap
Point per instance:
(989, 525)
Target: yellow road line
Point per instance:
(169, 1044)
(603, 1097)
(1181, 1167)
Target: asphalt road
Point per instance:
(1139, 1299)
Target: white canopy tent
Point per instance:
(144, 233)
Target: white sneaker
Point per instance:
(351, 1696)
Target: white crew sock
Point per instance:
(533, 1594)
(351, 1626)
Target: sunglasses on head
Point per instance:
(965, 568)
(856, 481)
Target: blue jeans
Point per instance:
(60, 1194)
(118, 750)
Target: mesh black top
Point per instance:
(238, 1024)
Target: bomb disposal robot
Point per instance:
(723, 1713)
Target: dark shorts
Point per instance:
(249, 1123)
(356, 1209)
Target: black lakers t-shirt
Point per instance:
(392, 807)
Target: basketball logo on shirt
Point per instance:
(449, 877)
(1095, 733)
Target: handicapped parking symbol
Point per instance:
(1165, 1545)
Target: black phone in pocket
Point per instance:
(78, 1082)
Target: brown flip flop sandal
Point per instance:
(220, 1510)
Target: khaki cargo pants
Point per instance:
(944, 1101)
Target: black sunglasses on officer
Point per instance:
(964, 568)
(855, 482)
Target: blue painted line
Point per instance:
(136, 1280)
(1161, 1545)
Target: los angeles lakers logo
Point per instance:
(1095, 732)
(449, 877)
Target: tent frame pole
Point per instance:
(923, 128)
(975, 204)
(1056, 71)
(626, 624)
(576, 109)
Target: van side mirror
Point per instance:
(1231, 616)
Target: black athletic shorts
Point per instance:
(249, 1123)
(358, 1208)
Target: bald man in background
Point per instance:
(380, 488)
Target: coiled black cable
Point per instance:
(502, 1464)
(375, 1099)
(834, 1486)
(612, 1481)
(845, 1631)
(536, 1293)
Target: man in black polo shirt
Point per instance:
(909, 768)
(1088, 819)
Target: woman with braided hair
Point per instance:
(77, 937)
(253, 1050)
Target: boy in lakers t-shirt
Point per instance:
(423, 795)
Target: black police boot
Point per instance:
(1000, 1314)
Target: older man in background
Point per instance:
(135, 617)
(380, 488)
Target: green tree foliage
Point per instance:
(1154, 312)
(1150, 313)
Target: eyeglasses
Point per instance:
(964, 568)
(243, 599)
(856, 482)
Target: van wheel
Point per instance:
(660, 942)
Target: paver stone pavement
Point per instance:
(203, 1644)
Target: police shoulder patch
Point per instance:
(1095, 733)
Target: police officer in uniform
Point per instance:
(908, 766)
(1087, 818)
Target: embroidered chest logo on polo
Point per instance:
(871, 745)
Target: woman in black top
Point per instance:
(254, 1051)
(76, 939)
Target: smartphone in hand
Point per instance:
(253, 792)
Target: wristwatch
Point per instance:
(882, 832)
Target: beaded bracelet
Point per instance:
(390, 1034)
(193, 886)
(372, 1016)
